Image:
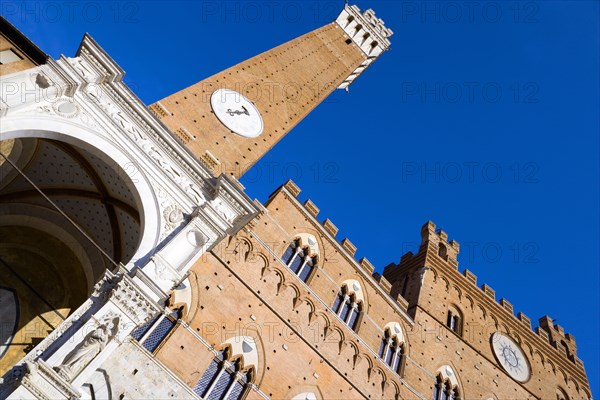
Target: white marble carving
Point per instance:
(89, 348)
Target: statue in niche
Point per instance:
(88, 349)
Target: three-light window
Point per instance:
(151, 334)
(444, 390)
(299, 260)
(224, 379)
(391, 349)
(347, 307)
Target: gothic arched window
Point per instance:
(454, 321)
(299, 260)
(391, 349)
(443, 389)
(224, 379)
(347, 306)
(151, 334)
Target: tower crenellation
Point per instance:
(368, 33)
(438, 252)
(436, 241)
(565, 343)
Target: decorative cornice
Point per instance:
(133, 302)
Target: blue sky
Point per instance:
(483, 117)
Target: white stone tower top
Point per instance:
(367, 32)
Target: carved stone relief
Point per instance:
(88, 349)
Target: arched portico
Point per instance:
(44, 257)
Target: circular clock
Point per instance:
(237, 113)
(510, 355)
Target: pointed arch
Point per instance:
(396, 388)
(384, 378)
(447, 371)
(226, 375)
(516, 337)
(528, 346)
(542, 359)
(280, 276)
(495, 320)
(561, 394)
(181, 297)
(483, 311)
(455, 319)
(302, 300)
(246, 347)
(446, 283)
(195, 305)
(392, 349)
(350, 352)
(548, 361)
(447, 384)
(575, 384)
(458, 291)
(354, 348)
(326, 320)
(563, 373)
(350, 303)
(587, 394)
(260, 257)
(367, 357)
(311, 243)
(471, 301)
(435, 273)
(242, 248)
(295, 290)
(302, 256)
(356, 289)
(331, 330)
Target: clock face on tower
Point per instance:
(510, 355)
(237, 113)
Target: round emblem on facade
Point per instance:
(65, 108)
(237, 113)
(511, 357)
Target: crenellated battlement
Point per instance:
(436, 241)
(435, 246)
(565, 343)
(548, 331)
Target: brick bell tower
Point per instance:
(230, 120)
